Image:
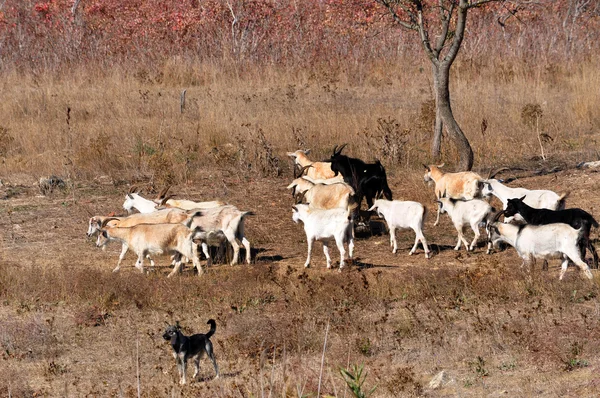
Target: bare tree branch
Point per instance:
(445, 27)
(397, 19)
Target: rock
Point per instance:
(440, 380)
(589, 165)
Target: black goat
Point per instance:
(576, 218)
(368, 179)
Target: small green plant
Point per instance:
(574, 361)
(364, 345)
(507, 366)
(355, 378)
(479, 367)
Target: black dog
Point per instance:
(185, 347)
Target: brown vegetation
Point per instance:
(101, 120)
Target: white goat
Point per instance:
(145, 239)
(463, 185)
(325, 225)
(542, 241)
(472, 212)
(538, 198)
(228, 219)
(403, 215)
(319, 170)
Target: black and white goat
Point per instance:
(542, 241)
(576, 218)
(473, 212)
(537, 198)
(369, 180)
(403, 215)
(326, 225)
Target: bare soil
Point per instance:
(70, 327)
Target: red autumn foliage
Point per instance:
(50, 33)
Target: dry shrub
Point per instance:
(160, 165)
(531, 114)
(404, 382)
(100, 156)
(91, 316)
(255, 153)
(6, 141)
(427, 116)
(388, 141)
(13, 383)
(30, 337)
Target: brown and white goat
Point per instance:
(319, 170)
(464, 185)
(150, 239)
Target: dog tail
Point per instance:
(213, 327)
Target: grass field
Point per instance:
(70, 327)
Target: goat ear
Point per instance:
(130, 196)
(307, 151)
(522, 198)
(294, 208)
(441, 165)
(426, 167)
(291, 154)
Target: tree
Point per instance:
(451, 16)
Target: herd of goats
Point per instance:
(328, 198)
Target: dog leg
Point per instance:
(211, 355)
(196, 366)
(181, 364)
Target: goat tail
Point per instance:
(213, 328)
(423, 217)
(562, 200)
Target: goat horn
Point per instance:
(303, 169)
(133, 189)
(107, 220)
(498, 215)
(339, 150)
(164, 200)
(300, 197)
(493, 175)
(163, 193)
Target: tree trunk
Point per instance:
(444, 110)
(436, 142)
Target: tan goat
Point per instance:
(465, 185)
(145, 239)
(319, 170)
(167, 201)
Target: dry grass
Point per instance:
(70, 327)
(128, 125)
